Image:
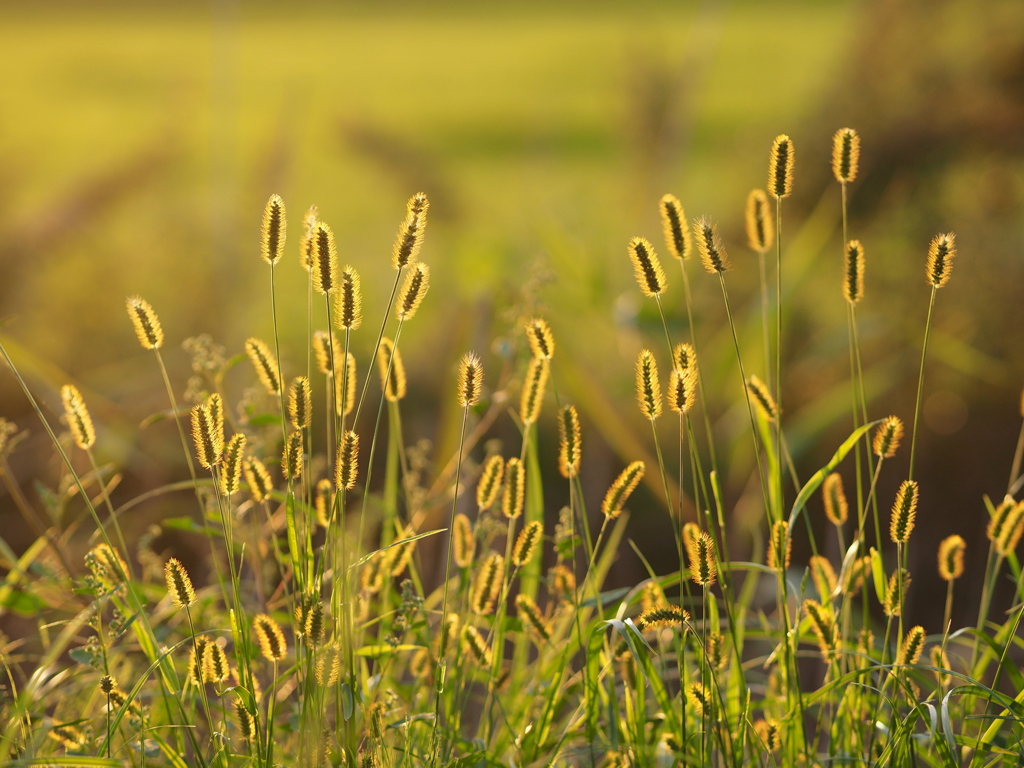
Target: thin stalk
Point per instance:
(920, 383)
(778, 351)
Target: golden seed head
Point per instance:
(532, 397)
(824, 577)
(328, 665)
(652, 596)
(940, 660)
(324, 353)
(569, 442)
(306, 238)
(449, 633)
(697, 697)
(463, 541)
(231, 468)
(403, 553)
(853, 275)
(292, 455)
(780, 546)
(893, 602)
(762, 398)
(106, 564)
(471, 378)
(147, 324)
(887, 437)
(208, 439)
(845, 155)
(998, 520)
(269, 637)
(684, 357)
(323, 502)
(780, 167)
(677, 234)
(345, 387)
(258, 478)
(913, 643)
(393, 383)
(243, 719)
(413, 291)
(712, 252)
(179, 585)
(941, 253)
(78, 418)
(487, 584)
(649, 274)
(823, 625)
(1011, 531)
(904, 509)
(621, 488)
(760, 224)
(273, 230)
(347, 465)
(563, 582)
(836, 507)
(300, 405)
(410, 232)
(476, 645)
(662, 616)
(514, 497)
(265, 363)
(769, 734)
(349, 301)
(67, 735)
(215, 405)
(215, 663)
(648, 388)
(490, 482)
(325, 260)
(527, 543)
(951, 557)
(529, 613)
(542, 342)
(853, 577)
(314, 626)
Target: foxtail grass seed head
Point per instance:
(413, 291)
(476, 646)
(306, 238)
(941, 253)
(769, 734)
(265, 363)
(179, 585)
(701, 553)
(487, 585)
(939, 660)
(314, 625)
(648, 388)
(532, 397)
(348, 312)
(652, 596)
(347, 466)
(300, 405)
(563, 582)
(845, 155)
(243, 720)
(531, 616)
(291, 458)
(527, 543)
(1011, 531)
(887, 437)
(196, 674)
(542, 341)
(147, 324)
(762, 398)
(471, 379)
(712, 252)
(463, 541)
(106, 564)
(837, 509)
(67, 736)
(646, 267)
(215, 663)
(620, 490)
(208, 440)
(569, 442)
(514, 497)
(78, 418)
(328, 665)
(403, 553)
(698, 699)
(997, 522)
(394, 384)
(490, 482)
(323, 502)
(410, 233)
(231, 467)
(677, 234)
(323, 353)
(273, 230)
(215, 405)
(662, 616)
(823, 626)
(449, 633)
(780, 167)
(824, 577)
(951, 557)
(893, 602)
(269, 638)
(904, 510)
(107, 684)
(760, 224)
(345, 386)
(682, 390)
(912, 646)
(853, 274)
(684, 357)
(325, 260)
(258, 478)
(780, 546)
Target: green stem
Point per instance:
(920, 383)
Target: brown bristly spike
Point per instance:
(701, 554)
(347, 467)
(322, 352)
(348, 313)
(887, 437)
(569, 442)
(712, 252)
(396, 382)
(147, 324)
(179, 585)
(677, 234)
(837, 509)
(345, 402)
(621, 488)
(531, 616)
(853, 275)
(649, 274)
(476, 645)
(913, 643)
(532, 397)
(698, 698)
(542, 342)
(209, 446)
(514, 497)
(904, 510)
(892, 603)
(306, 238)
(823, 625)
(780, 167)
(527, 543)
(471, 379)
(663, 616)
(243, 720)
(762, 398)
(314, 628)
(273, 230)
(463, 541)
(292, 455)
(490, 482)
(269, 638)
(215, 663)
(78, 418)
(951, 557)
(1012, 530)
(258, 478)
(107, 684)
(325, 260)
(648, 388)
(323, 502)
(215, 405)
(487, 585)
(410, 233)
(300, 406)
(845, 155)
(413, 291)
(941, 253)
(265, 363)
(231, 467)
(759, 221)
(780, 546)
(824, 577)
(769, 734)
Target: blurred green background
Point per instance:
(139, 142)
